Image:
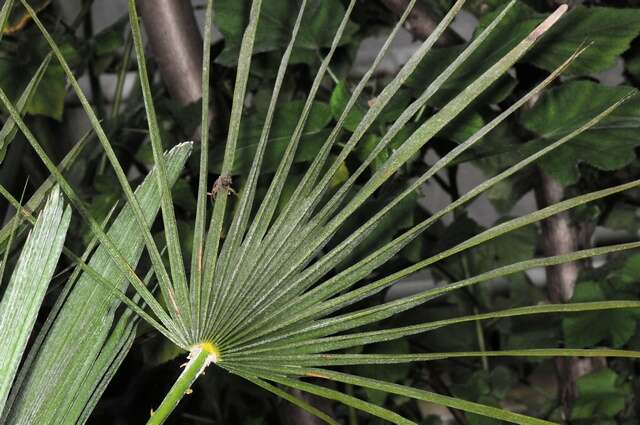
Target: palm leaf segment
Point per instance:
(258, 302)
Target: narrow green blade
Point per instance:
(9, 129)
(178, 274)
(40, 194)
(291, 399)
(339, 342)
(27, 287)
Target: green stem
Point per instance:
(198, 361)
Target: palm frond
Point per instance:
(257, 301)
(63, 374)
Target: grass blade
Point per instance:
(230, 257)
(321, 360)
(330, 394)
(408, 149)
(442, 400)
(383, 311)
(287, 222)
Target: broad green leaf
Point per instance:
(482, 58)
(623, 216)
(464, 127)
(339, 98)
(589, 329)
(493, 48)
(518, 245)
(110, 39)
(600, 396)
(609, 145)
(27, 287)
(608, 30)
(319, 25)
(16, 73)
(487, 387)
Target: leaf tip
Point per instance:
(548, 23)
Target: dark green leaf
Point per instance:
(284, 124)
(608, 145)
(339, 99)
(611, 31)
(600, 396)
(16, 71)
(319, 25)
(588, 329)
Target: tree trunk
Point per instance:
(560, 236)
(176, 44)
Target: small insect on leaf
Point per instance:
(222, 183)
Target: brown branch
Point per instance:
(561, 236)
(558, 237)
